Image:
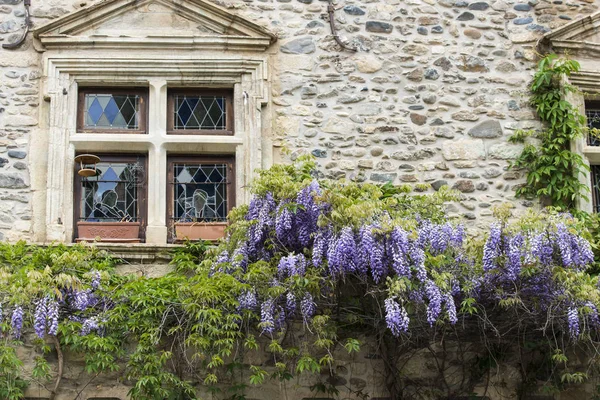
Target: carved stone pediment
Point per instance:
(139, 24)
(579, 39)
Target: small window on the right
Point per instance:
(595, 175)
(592, 114)
(201, 194)
(200, 112)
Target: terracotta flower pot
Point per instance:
(108, 231)
(200, 230)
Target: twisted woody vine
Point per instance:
(311, 268)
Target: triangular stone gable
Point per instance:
(142, 23)
(580, 37)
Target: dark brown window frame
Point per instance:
(143, 113)
(196, 159)
(142, 203)
(228, 94)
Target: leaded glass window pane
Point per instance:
(200, 192)
(111, 111)
(200, 112)
(112, 195)
(595, 172)
(593, 121)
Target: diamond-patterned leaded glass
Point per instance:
(200, 192)
(200, 112)
(595, 173)
(111, 111)
(112, 195)
(593, 121)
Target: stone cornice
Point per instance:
(571, 38)
(588, 81)
(231, 32)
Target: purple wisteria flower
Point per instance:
(417, 256)
(399, 248)
(248, 301)
(16, 321)
(593, 314)
(280, 321)
(434, 308)
(83, 300)
(396, 317)
(563, 240)
(320, 247)
(515, 252)
(40, 316)
(52, 317)
(89, 325)
(267, 316)
(450, 308)
(341, 253)
(573, 321)
(542, 249)
(492, 247)
(284, 224)
(290, 303)
(96, 278)
(307, 307)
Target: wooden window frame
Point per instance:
(197, 159)
(228, 94)
(593, 182)
(142, 203)
(143, 113)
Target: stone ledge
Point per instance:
(133, 252)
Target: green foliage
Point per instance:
(168, 335)
(553, 170)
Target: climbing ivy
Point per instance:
(553, 170)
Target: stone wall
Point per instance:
(431, 95)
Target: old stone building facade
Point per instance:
(425, 92)
(420, 92)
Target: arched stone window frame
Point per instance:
(235, 54)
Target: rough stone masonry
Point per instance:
(431, 96)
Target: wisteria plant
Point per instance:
(308, 267)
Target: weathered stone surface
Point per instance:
(303, 45)
(466, 16)
(490, 173)
(337, 125)
(368, 64)
(486, 129)
(505, 151)
(354, 10)
(10, 180)
(17, 154)
(379, 27)
(418, 119)
(479, 6)
(472, 64)
(465, 186)
(379, 177)
(437, 185)
(465, 116)
(450, 101)
(465, 149)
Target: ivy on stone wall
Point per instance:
(553, 170)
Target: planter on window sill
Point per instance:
(200, 230)
(114, 232)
